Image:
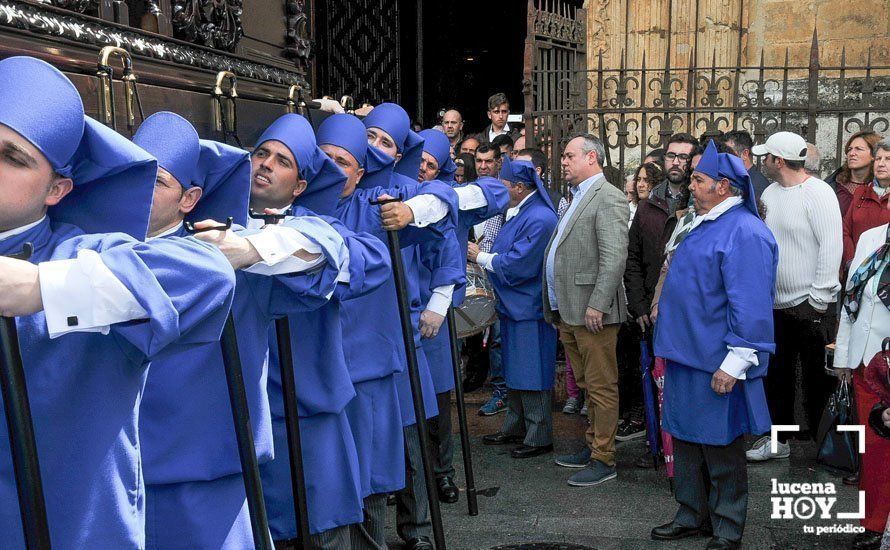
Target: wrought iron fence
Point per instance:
(636, 110)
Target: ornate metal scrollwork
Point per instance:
(299, 46)
(30, 17)
(558, 26)
(213, 23)
(80, 6)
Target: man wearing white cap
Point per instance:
(803, 214)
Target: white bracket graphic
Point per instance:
(858, 428)
(855, 515)
(776, 428)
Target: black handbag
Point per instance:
(838, 451)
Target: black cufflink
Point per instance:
(73, 321)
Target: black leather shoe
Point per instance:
(527, 451)
(867, 541)
(852, 479)
(717, 543)
(645, 461)
(500, 438)
(674, 531)
(448, 492)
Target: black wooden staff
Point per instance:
(398, 268)
(250, 470)
(291, 413)
(472, 504)
(22, 443)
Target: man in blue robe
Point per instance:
(528, 343)
(93, 308)
(715, 330)
(388, 128)
(382, 405)
(291, 174)
(194, 488)
(478, 201)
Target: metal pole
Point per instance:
(22, 443)
(292, 425)
(291, 412)
(472, 504)
(250, 470)
(398, 268)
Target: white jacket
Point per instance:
(858, 342)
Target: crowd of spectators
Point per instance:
(832, 241)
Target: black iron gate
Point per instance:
(555, 54)
(358, 50)
(635, 109)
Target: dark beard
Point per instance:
(684, 178)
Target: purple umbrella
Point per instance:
(650, 405)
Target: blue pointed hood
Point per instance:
(523, 171)
(113, 178)
(724, 165)
(393, 120)
(436, 144)
(324, 180)
(348, 132)
(220, 170)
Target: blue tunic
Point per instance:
(718, 293)
(530, 361)
(440, 264)
(186, 421)
(381, 327)
(372, 322)
(85, 387)
(446, 264)
(324, 389)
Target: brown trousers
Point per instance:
(595, 365)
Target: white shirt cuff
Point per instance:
(440, 301)
(470, 197)
(486, 259)
(83, 295)
(276, 245)
(427, 209)
(739, 360)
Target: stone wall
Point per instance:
(711, 28)
(730, 33)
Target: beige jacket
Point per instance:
(590, 257)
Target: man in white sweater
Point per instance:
(802, 212)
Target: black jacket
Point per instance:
(652, 226)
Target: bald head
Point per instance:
(453, 125)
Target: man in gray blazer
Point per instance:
(583, 297)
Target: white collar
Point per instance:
(492, 133)
(19, 230)
(716, 212)
(582, 187)
(166, 232)
(511, 212)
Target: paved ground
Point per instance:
(529, 501)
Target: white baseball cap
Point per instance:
(784, 145)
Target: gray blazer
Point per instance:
(590, 257)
